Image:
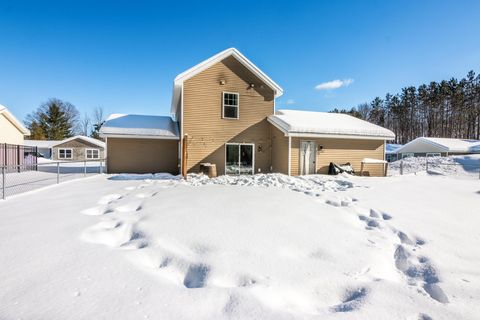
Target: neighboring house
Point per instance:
(391, 151)
(13, 153)
(78, 148)
(44, 147)
(12, 131)
(431, 147)
(224, 114)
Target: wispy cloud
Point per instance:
(334, 84)
(289, 102)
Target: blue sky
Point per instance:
(123, 56)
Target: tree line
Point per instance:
(58, 120)
(447, 109)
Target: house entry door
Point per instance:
(308, 155)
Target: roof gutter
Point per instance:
(135, 136)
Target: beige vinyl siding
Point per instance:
(279, 151)
(142, 155)
(342, 151)
(9, 133)
(78, 147)
(202, 117)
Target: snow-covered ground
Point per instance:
(465, 166)
(250, 247)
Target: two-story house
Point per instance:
(224, 113)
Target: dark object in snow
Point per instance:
(334, 168)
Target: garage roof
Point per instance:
(139, 126)
(297, 123)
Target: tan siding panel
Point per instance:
(342, 151)
(279, 151)
(142, 155)
(203, 123)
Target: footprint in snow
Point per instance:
(422, 271)
(97, 210)
(109, 198)
(130, 206)
(353, 300)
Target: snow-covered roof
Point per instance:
(140, 126)
(178, 82)
(14, 120)
(96, 142)
(41, 143)
(391, 148)
(326, 124)
(427, 144)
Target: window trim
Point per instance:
(223, 105)
(92, 149)
(239, 144)
(65, 158)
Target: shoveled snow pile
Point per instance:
(454, 166)
(243, 247)
(308, 184)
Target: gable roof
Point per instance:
(325, 124)
(14, 121)
(96, 142)
(182, 77)
(140, 126)
(427, 144)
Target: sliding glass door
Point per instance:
(239, 158)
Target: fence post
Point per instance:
(58, 172)
(101, 169)
(401, 167)
(3, 182)
(84, 168)
(426, 164)
(18, 158)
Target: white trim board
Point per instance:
(133, 136)
(182, 77)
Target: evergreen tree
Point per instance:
(53, 120)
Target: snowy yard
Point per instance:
(261, 247)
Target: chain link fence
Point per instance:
(465, 167)
(16, 179)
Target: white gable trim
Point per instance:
(202, 66)
(10, 117)
(86, 139)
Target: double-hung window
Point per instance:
(230, 105)
(65, 153)
(92, 154)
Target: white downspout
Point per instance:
(289, 155)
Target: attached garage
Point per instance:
(141, 144)
(306, 142)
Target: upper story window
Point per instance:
(230, 105)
